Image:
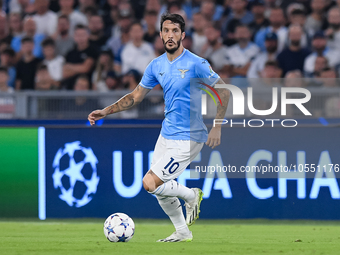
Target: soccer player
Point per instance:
(183, 131)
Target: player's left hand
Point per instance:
(96, 115)
(214, 137)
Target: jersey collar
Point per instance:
(173, 61)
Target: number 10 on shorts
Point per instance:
(173, 166)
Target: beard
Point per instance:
(95, 32)
(242, 40)
(335, 26)
(319, 50)
(258, 15)
(276, 24)
(272, 49)
(160, 51)
(173, 50)
(295, 43)
(213, 42)
(64, 32)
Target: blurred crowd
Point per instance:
(106, 45)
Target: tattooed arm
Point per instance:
(214, 138)
(125, 103)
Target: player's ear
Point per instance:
(160, 34)
(183, 36)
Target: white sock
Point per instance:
(174, 189)
(173, 208)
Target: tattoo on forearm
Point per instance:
(221, 109)
(124, 103)
(128, 101)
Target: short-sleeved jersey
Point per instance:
(183, 118)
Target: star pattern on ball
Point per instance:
(122, 226)
(110, 229)
(113, 215)
(122, 238)
(125, 223)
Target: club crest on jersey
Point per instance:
(183, 71)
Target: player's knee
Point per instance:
(147, 185)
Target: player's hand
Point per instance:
(214, 137)
(96, 115)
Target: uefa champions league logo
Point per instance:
(75, 174)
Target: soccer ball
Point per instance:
(119, 227)
(75, 174)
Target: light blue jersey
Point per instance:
(183, 118)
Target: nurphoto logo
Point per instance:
(239, 103)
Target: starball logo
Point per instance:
(239, 103)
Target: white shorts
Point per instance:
(171, 157)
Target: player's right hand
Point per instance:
(95, 115)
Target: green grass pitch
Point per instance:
(251, 237)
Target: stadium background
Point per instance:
(52, 107)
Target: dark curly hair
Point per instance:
(175, 18)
